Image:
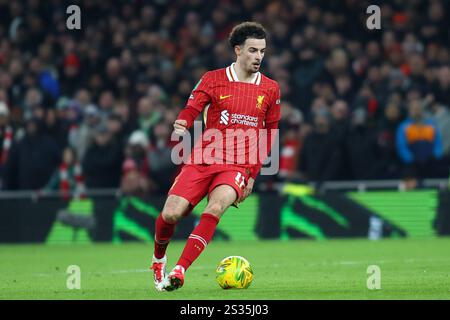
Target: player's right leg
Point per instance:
(174, 209)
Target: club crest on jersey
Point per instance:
(259, 102)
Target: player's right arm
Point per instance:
(200, 97)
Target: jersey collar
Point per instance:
(232, 76)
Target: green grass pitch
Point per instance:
(283, 270)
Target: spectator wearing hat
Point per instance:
(71, 78)
(81, 137)
(135, 169)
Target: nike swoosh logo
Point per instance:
(224, 97)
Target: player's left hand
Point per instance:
(248, 189)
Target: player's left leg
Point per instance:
(219, 200)
(174, 208)
(189, 187)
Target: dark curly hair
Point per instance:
(244, 31)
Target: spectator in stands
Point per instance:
(83, 97)
(148, 116)
(388, 166)
(103, 160)
(441, 116)
(320, 157)
(68, 177)
(116, 127)
(31, 160)
(441, 87)
(291, 142)
(106, 103)
(340, 124)
(340, 119)
(81, 137)
(6, 138)
(122, 109)
(147, 57)
(419, 143)
(162, 169)
(33, 98)
(361, 147)
(54, 127)
(135, 169)
(71, 75)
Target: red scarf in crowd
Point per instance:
(64, 183)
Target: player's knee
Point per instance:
(171, 215)
(215, 208)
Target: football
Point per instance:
(234, 272)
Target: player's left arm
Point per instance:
(200, 96)
(271, 122)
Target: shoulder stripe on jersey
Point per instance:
(229, 74)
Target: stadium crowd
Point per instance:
(95, 106)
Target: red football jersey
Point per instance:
(234, 111)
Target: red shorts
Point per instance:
(195, 181)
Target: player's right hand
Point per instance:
(180, 127)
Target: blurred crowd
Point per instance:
(93, 108)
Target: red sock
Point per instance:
(198, 239)
(163, 234)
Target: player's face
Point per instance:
(251, 54)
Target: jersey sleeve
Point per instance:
(274, 111)
(271, 122)
(200, 96)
